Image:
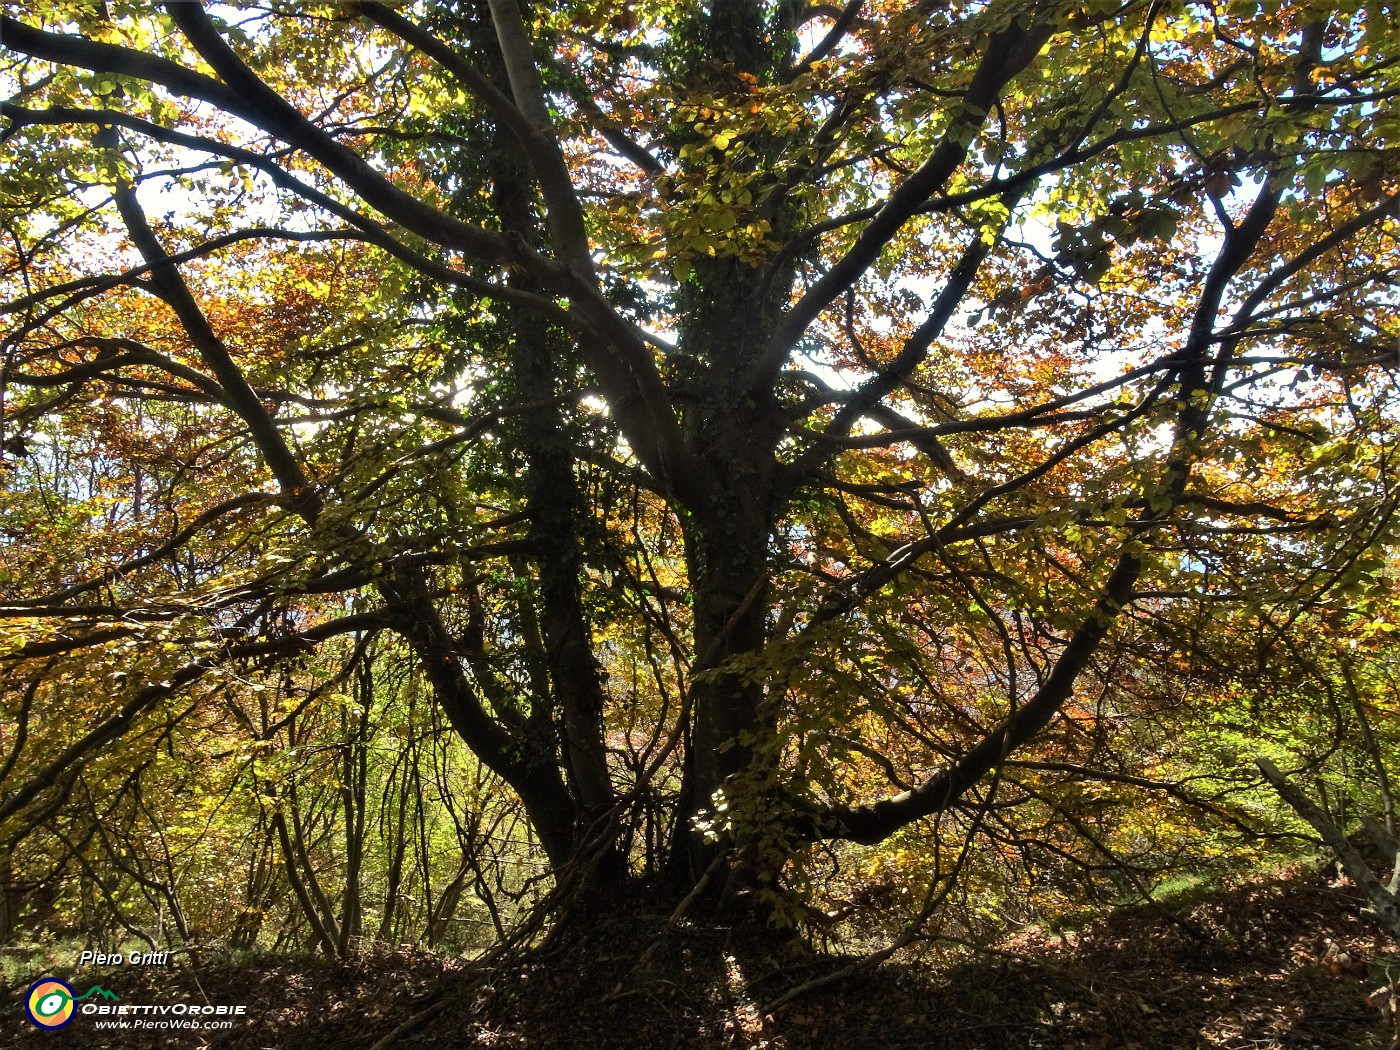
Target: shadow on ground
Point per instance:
(1271, 964)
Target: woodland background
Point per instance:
(876, 476)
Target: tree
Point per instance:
(755, 422)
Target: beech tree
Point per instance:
(757, 423)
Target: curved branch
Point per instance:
(244, 95)
(824, 47)
(875, 821)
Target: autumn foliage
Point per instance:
(469, 463)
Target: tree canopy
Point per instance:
(742, 448)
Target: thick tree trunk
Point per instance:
(727, 554)
(539, 362)
(731, 574)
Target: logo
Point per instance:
(49, 1003)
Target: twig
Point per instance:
(694, 894)
(412, 1024)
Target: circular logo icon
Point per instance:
(49, 1003)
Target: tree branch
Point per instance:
(1010, 52)
(1383, 906)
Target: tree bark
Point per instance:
(1383, 905)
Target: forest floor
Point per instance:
(1279, 962)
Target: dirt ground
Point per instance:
(1283, 962)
